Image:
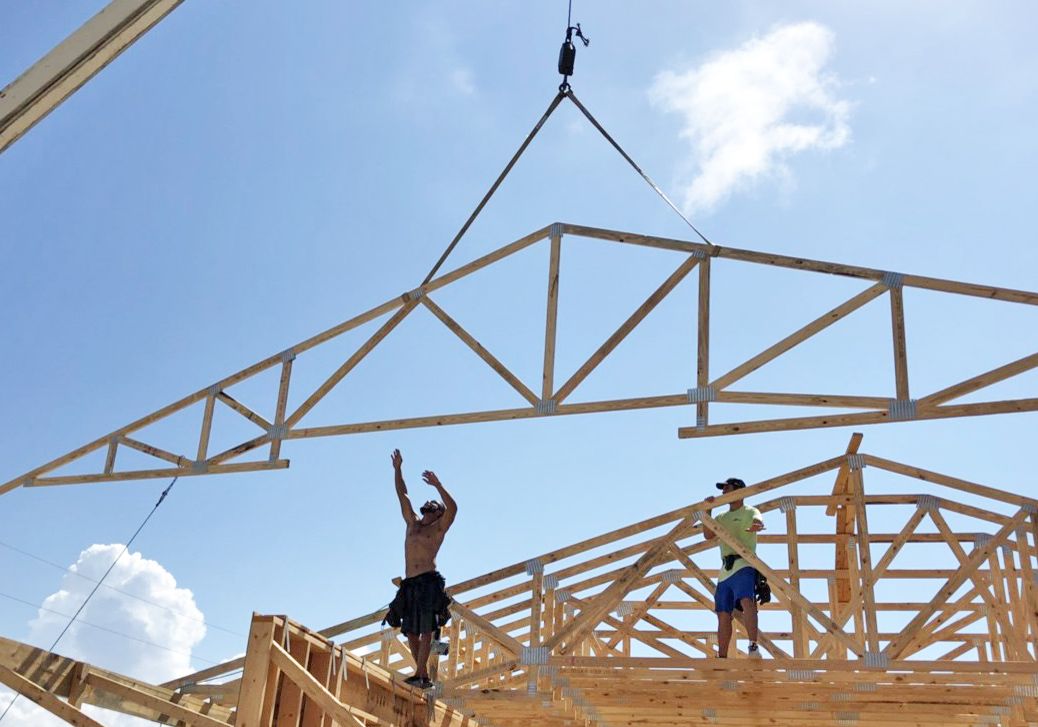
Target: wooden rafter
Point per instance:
(547, 397)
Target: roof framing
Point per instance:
(549, 397)
(618, 629)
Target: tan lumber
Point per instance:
(150, 701)
(315, 690)
(254, 681)
(897, 327)
(78, 58)
(626, 327)
(798, 337)
(980, 381)
(473, 619)
(895, 647)
(703, 340)
(207, 428)
(162, 473)
(281, 407)
(842, 420)
(245, 411)
(551, 316)
(358, 356)
(42, 698)
(478, 348)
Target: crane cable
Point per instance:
(566, 58)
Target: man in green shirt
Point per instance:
(737, 579)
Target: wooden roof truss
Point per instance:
(557, 392)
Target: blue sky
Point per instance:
(248, 175)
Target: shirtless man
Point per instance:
(421, 604)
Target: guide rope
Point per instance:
(83, 605)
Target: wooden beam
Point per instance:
(160, 706)
(42, 698)
(565, 638)
(626, 327)
(794, 339)
(897, 327)
(911, 631)
(551, 314)
(703, 341)
(843, 420)
(74, 61)
(477, 348)
(980, 381)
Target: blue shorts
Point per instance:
(734, 588)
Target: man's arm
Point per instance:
(401, 489)
(451, 507)
(758, 522)
(709, 534)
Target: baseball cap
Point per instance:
(735, 481)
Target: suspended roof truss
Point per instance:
(556, 393)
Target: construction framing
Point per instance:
(618, 629)
(554, 395)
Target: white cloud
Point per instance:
(746, 111)
(173, 622)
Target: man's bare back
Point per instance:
(424, 534)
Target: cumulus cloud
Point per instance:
(747, 111)
(165, 625)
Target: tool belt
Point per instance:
(761, 588)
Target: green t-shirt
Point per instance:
(736, 522)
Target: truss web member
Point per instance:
(737, 579)
(421, 604)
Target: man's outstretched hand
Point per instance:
(430, 478)
(755, 527)
(397, 458)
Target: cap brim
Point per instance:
(720, 485)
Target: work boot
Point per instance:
(754, 652)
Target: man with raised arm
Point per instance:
(737, 579)
(421, 605)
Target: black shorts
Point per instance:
(421, 605)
